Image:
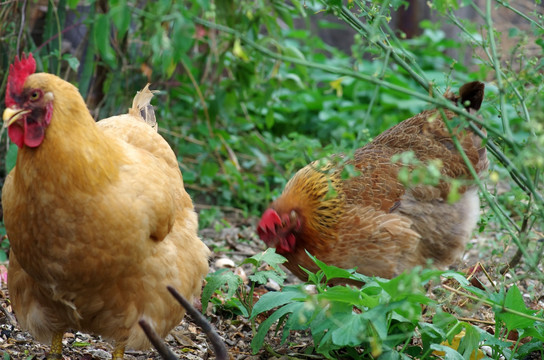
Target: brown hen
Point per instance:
(373, 222)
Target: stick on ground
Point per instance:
(157, 342)
(217, 343)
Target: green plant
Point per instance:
(382, 317)
(231, 292)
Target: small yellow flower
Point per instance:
(494, 176)
(238, 51)
(476, 355)
(337, 85)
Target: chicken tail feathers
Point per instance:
(142, 108)
(472, 95)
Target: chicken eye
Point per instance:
(35, 95)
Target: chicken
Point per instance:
(371, 221)
(97, 216)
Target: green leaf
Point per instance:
(88, 62)
(536, 333)
(302, 319)
(184, 31)
(460, 278)
(209, 169)
(294, 52)
(453, 195)
(379, 322)
(431, 334)
(351, 331)
(495, 343)
(451, 354)
(268, 256)
(514, 301)
(331, 271)
(80, 344)
(72, 61)
(216, 281)
(269, 119)
(274, 299)
(101, 34)
(120, 15)
(262, 277)
(235, 303)
(345, 294)
(531, 346)
(72, 3)
(258, 339)
(11, 158)
(469, 344)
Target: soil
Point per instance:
(235, 242)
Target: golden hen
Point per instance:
(371, 221)
(97, 217)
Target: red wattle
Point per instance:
(16, 134)
(34, 134)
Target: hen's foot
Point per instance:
(118, 353)
(56, 347)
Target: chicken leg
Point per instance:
(118, 353)
(56, 347)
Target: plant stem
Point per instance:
(492, 304)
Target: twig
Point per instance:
(23, 14)
(471, 320)
(181, 136)
(276, 354)
(163, 350)
(220, 207)
(217, 343)
(200, 188)
(68, 28)
(11, 318)
(509, 7)
(518, 255)
(200, 97)
(489, 277)
(157, 342)
(57, 20)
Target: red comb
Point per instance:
(268, 222)
(18, 72)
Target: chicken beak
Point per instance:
(11, 115)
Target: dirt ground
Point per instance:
(187, 341)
